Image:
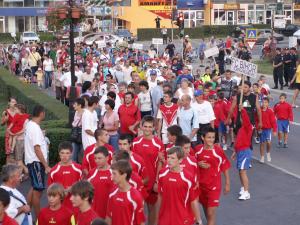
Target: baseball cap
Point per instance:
(153, 72)
(198, 93)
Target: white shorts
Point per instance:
(164, 138)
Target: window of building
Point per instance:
(219, 17)
(241, 17)
(193, 18)
(296, 17)
(13, 4)
(260, 14)
(28, 3)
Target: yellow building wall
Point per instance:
(138, 17)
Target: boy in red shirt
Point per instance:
(177, 192)
(243, 153)
(65, 172)
(4, 203)
(211, 163)
(268, 123)
(284, 114)
(125, 204)
(55, 213)
(100, 178)
(151, 149)
(88, 161)
(136, 161)
(82, 194)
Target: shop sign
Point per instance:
(233, 6)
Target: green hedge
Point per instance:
(30, 95)
(56, 113)
(205, 31)
(5, 38)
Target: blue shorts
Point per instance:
(283, 126)
(222, 128)
(265, 136)
(37, 175)
(243, 159)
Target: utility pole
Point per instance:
(172, 17)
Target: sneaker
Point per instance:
(262, 159)
(241, 191)
(279, 144)
(225, 147)
(232, 144)
(269, 157)
(281, 88)
(245, 196)
(257, 140)
(295, 106)
(276, 87)
(285, 145)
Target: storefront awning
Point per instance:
(22, 11)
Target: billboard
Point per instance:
(160, 7)
(190, 4)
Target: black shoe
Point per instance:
(281, 88)
(276, 87)
(286, 85)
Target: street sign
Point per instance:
(292, 42)
(157, 41)
(251, 43)
(137, 46)
(243, 67)
(211, 52)
(251, 33)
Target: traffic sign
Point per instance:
(251, 34)
(251, 43)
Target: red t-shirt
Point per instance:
(177, 191)
(190, 165)
(18, 122)
(136, 182)
(210, 178)
(66, 176)
(149, 150)
(126, 208)
(128, 116)
(88, 161)
(8, 220)
(138, 165)
(283, 111)
(103, 184)
(86, 218)
(62, 216)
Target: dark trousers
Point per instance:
(165, 38)
(278, 76)
(59, 94)
(287, 74)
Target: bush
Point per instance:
(205, 31)
(30, 95)
(56, 113)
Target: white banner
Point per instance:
(292, 42)
(243, 67)
(137, 46)
(101, 44)
(279, 23)
(211, 52)
(157, 41)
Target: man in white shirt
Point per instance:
(89, 122)
(153, 67)
(18, 208)
(35, 147)
(206, 115)
(78, 74)
(88, 75)
(127, 69)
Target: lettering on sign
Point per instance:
(211, 52)
(243, 67)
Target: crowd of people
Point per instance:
(148, 137)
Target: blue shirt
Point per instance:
(188, 120)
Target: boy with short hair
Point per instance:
(100, 178)
(284, 114)
(268, 123)
(172, 133)
(125, 204)
(66, 172)
(243, 152)
(55, 213)
(212, 162)
(177, 192)
(4, 203)
(82, 194)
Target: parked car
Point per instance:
(289, 30)
(264, 34)
(124, 33)
(89, 39)
(29, 36)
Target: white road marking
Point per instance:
(295, 123)
(280, 168)
(282, 91)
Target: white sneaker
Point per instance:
(225, 147)
(245, 196)
(262, 159)
(269, 157)
(241, 191)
